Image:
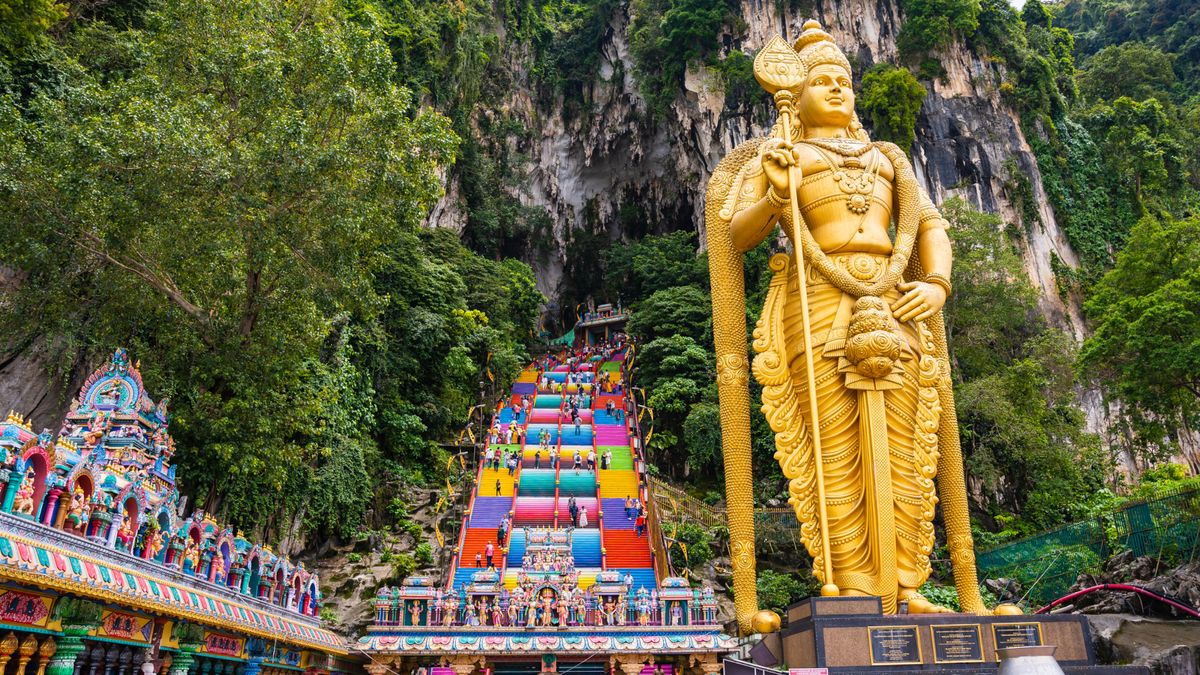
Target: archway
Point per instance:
(295, 600)
(226, 561)
(129, 525)
(36, 468)
(75, 515)
(255, 582)
(279, 590)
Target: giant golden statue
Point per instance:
(861, 318)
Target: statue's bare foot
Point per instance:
(917, 604)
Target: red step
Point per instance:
(476, 540)
(623, 548)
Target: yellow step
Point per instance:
(617, 483)
(487, 483)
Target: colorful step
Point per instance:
(537, 511)
(617, 483)
(489, 479)
(581, 484)
(487, 512)
(625, 549)
(537, 482)
(585, 547)
(642, 577)
(622, 458)
(476, 541)
(615, 517)
(611, 434)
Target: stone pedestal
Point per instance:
(852, 636)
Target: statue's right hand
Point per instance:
(777, 156)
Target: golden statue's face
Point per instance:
(828, 98)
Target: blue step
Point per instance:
(506, 416)
(584, 437)
(642, 577)
(601, 416)
(489, 511)
(585, 547)
(462, 576)
(533, 433)
(516, 548)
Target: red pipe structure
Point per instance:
(1122, 587)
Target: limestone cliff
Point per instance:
(583, 169)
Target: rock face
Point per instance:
(582, 170)
(1165, 647)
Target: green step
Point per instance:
(621, 456)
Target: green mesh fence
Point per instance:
(1047, 564)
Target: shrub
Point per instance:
(891, 98)
(778, 591)
(403, 565)
(424, 554)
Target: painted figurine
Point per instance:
(125, 537)
(23, 503)
(78, 514)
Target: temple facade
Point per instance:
(102, 573)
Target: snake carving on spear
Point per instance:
(851, 345)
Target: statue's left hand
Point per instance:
(919, 302)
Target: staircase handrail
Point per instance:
(659, 550)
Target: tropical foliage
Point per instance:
(233, 192)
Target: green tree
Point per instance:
(1134, 69)
(777, 591)
(1019, 420)
(638, 269)
(224, 203)
(24, 24)
(931, 25)
(679, 310)
(891, 98)
(1146, 316)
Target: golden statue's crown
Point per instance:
(816, 47)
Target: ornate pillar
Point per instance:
(45, 653)
(51, 504)
(111, 537)
(110, 660)
(184, 659)
(97, 658)
(126, 660)
(10, 493)
(25, 653)
(377, 669)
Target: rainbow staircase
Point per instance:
(665, 619)
(538, 493)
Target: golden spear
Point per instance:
(779, 70)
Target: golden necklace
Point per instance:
(846, 147)
(855, 181)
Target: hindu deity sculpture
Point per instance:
(125, 536)
(98, 426)
(851, 344)
(191, 557)
(218, 567)
(154, 543)
(78, 513)
(23, 502)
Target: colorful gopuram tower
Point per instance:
(101, 572)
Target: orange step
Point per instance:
(623, 548)
(476, 540)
